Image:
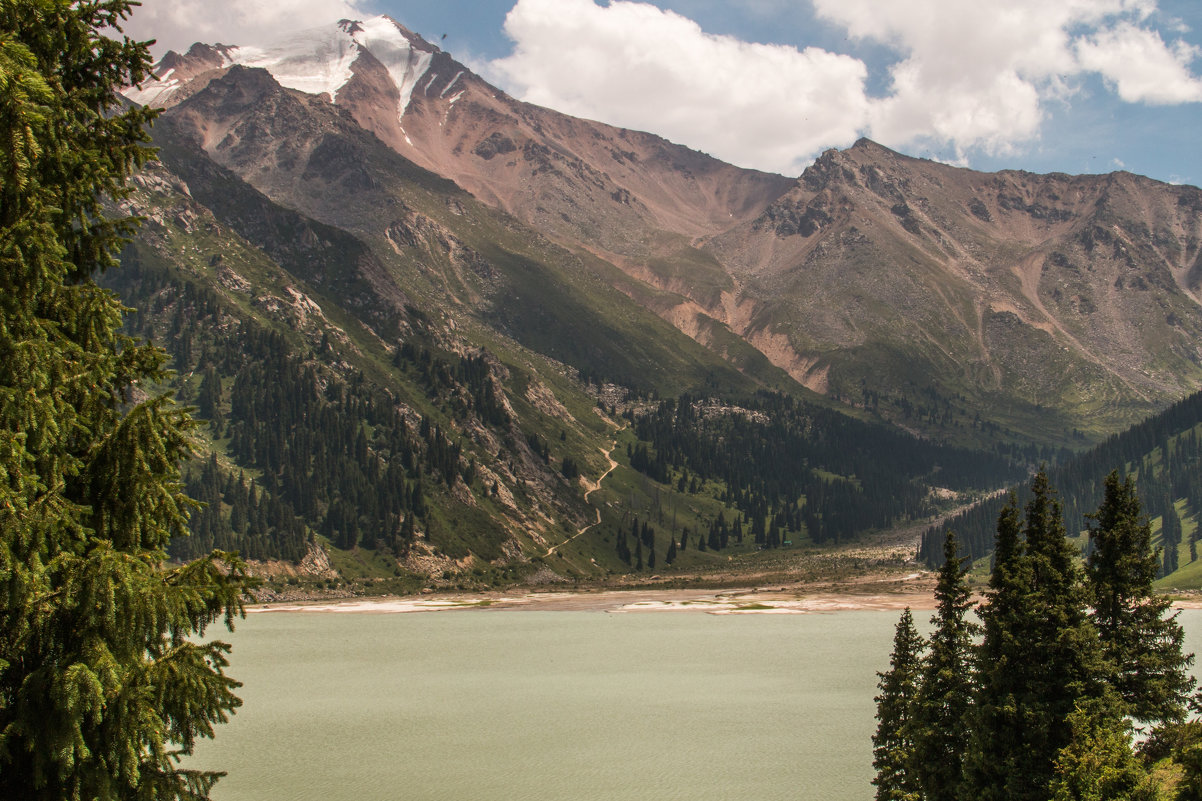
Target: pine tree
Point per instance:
(1141, 644)
(892, 744)
(995, 726)
(944, 695)
(101, 685)
(1040, 657)
(1170, 537)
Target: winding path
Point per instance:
(593, 486)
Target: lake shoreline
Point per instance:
(892, 592)
(868, 593)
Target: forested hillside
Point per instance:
(317, 431)
(793, 469)
(1164, 456)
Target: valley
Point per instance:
(460, 299)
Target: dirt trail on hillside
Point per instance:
(593, 486)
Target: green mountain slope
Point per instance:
(414, 389)
(1163, 454)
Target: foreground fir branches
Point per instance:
(102, 684)
(1069, 658)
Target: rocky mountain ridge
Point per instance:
(959, 304)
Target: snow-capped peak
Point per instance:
(317, 61)
(406, 64)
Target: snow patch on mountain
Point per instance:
(153, 93)
(317, 61)
(454, 80)
(406, 64)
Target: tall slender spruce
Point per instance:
(938, 720)
(893, 744)
(995, 726)
(1039, 659)
(102, 687)
(1142, 645)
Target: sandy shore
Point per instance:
(914, 591)
(869, 593)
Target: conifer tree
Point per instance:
(944, 694)
(101, 685)
(995, 726)
(892, 744)
(1141, 644)
(1039, 659)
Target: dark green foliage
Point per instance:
(102, 684)
(623, 547)
(1048, 660)
(569, 468)
(893, 743)
(1142, 646)
(342, 462)
(1046, 713)
(344, 459)
(771, 452)
(1163, 453)
(1098, 763)
(208, 402)
(995, 724)
(466, 382)
(938, 715)
(1045, 692)
(1170, 537)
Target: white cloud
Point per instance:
(1142, 68)
(634, 65)
(177, 24)
(978, 76)
(969, 76)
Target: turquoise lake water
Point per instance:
(529, 705)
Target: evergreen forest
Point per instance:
(1041, 695)
(1162, 455)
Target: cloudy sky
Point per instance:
(1044, 85)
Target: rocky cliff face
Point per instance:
(1057, 292)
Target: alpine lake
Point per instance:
(520, 705)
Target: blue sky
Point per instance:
(1078, 86)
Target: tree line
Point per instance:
(1163, 454)
(1036, 699)
(322, 452)
(789, 467)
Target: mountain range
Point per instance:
(354, 189)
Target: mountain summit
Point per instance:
(320, 61)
